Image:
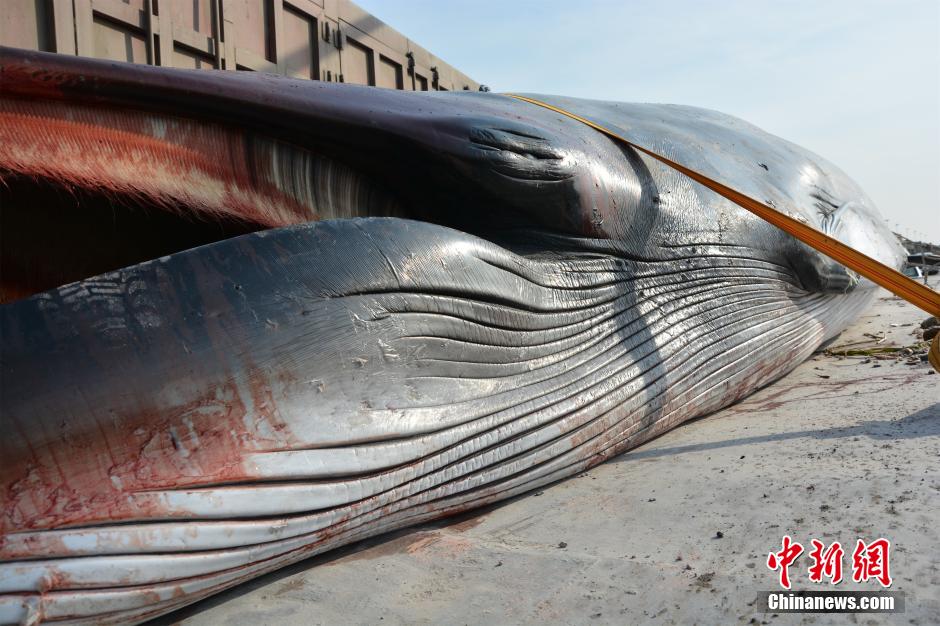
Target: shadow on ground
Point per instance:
(923, 423)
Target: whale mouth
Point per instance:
(104, 165)
(88, 189)
(52, 235)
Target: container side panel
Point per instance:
(195, 15)
(253, 27)
(192, 60)
(118, 42)
(26, 24)
(299, 44)
(389, 74)
(357, 63)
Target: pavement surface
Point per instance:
(678, 530)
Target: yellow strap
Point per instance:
(894, 281)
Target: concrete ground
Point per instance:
(674, 532)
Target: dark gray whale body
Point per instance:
(496, 297)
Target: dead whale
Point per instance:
(281, 316)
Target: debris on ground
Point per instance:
(873, 346)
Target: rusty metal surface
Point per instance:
(191, 422)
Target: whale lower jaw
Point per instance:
(478, 374)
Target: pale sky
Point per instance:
(856, 81)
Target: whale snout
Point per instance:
(859, 225)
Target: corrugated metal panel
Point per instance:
(254, 33)
(195, 15)
(26, 24)
(118, 41)
(389, 74)
(357, 63)
(298, 51)
(330, 40)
